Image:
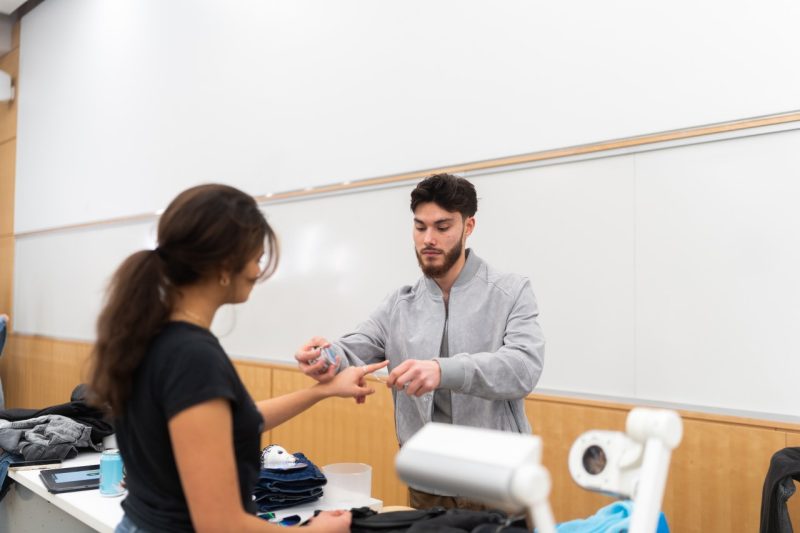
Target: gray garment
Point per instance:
(45, 437)
(442, 401)
(495, 344)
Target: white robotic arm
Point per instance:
(632, 465)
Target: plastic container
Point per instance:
(348, 483)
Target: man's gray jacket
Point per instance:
(495, 342)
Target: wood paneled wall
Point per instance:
(715, 480)
(340, 431)
(8, 155)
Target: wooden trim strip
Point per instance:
(558, 153)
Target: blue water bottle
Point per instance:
(111, 472)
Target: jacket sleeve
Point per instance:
(367, 344)
(512, 371)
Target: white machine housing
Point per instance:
(495, 467)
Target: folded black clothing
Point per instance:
(435, 519)
(77, 409)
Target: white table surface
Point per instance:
(104, 513)
(98, 512)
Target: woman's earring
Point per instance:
(224, 281)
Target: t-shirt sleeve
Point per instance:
(194, 373)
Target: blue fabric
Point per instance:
(614, 518)
(278, 497)
(279, 489)
(277, 506)
(5, 459)
(3, 333)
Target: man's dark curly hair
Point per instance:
(448, 192)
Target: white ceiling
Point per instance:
(9, 6)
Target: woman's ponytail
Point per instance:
(137, 307)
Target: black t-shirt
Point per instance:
(184, 366)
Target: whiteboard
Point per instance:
(123, 104)
(666, 275)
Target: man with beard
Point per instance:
(463, 343)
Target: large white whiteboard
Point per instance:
(122, 104)
(668, 275)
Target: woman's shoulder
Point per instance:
(179, 341)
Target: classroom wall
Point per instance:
(9, 62)
(655, 267)
(135, 100)
(654, 270)
(715, 479)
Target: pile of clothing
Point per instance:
(56, 432)
(614, 518)
(784, 470)
(286, 480)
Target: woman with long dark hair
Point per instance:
(187, 429)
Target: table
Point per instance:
(29, 506)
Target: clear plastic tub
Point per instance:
(347, 483)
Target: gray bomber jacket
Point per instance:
(495, 342)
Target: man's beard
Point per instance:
(450, 258)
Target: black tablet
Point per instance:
(24, 464)
(71, 479)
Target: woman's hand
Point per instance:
(330, 521)
(350, 382)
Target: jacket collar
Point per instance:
(471, 266)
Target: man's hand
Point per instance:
(312, 363)
(415, 377)
(350, 382)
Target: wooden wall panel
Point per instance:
(559, 424)
(717, 475)
(39, 372)
(338, 430)
(8, 111)
(8, 153)
(7, 275)
(258, 381)
(15, 34)
(9, 374)
(715, 480)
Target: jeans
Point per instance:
(3, 332)
(5, 460)
(127, 526)
(279, 489)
